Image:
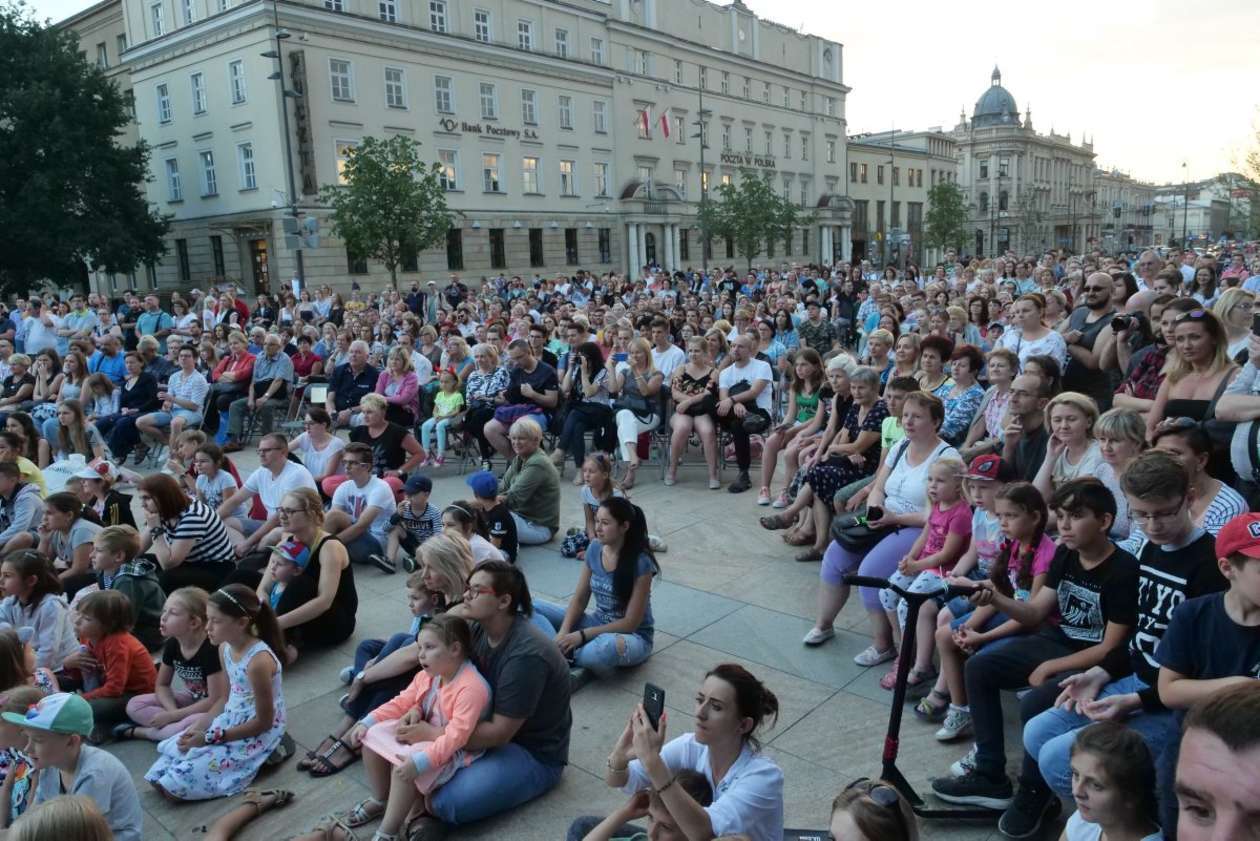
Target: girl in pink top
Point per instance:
(929, 560)
(417, 741)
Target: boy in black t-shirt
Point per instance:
(495, 514)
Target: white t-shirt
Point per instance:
(669, 360)
(750, 372)
(1051, 344)
(317, 460)
(1078, 829)
(354, 500)
(906, 488)
(214, 491)
(424, 368)
(271, 489)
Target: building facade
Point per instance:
(1127, 211)
(1226, 205)
(568, 134)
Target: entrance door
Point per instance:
(979, 243)
(258, 260)
(649, 249)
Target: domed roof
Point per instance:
(996, 106)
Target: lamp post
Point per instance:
(1185, 200)
(892, 159)
(280, 35)
(704, 191)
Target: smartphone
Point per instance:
(874, 513)
(620, 357)
(653, 704)
(1255, 324)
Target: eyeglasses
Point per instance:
(470, 590)
(290, 511)
(1177, 423)
(1152, 516)
(354, 463)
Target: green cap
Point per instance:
(63, 712)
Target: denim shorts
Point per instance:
(163, 419)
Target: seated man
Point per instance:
(348, 385)
(274, 478)
(361, 509)
(532, 386)
(273, 372)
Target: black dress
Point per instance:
(387, 448)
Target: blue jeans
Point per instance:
(379, 649)
(375, 694)
(426, 434)
(601, 654)
(163, 419)
(529, 533)
(498, 782)
(362, 547)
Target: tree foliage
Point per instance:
(70, 195)
(946, 222)
(751, 214)
(392, 204)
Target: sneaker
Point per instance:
(715, 484)
(409, 564)
(579, 677)
(817, 636)
(656, 544)
(438, 460)
(873, 656)
(956, 725)
(383, 563)
(964, 766)
(671, 479)
(973, 789)
(283, 751)
(346, 675)
(741, 484)
(763, 496)
(1032, 807)
(782, 500)
(423, 462)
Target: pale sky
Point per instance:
(1154, 84)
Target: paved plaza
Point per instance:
(728, 591)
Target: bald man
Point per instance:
(1081, 332)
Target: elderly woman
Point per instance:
(399, 385)
(229, 380)
(531, 485)
(486, 382)
(186, 536)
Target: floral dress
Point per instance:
(224, 769)
(829, 476)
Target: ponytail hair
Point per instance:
(508, 580)
(237, 600)
(753, 699)
(29, 563)
(1022, 495)
(633, 546)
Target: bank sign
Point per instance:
(745, 159)
(488, 129)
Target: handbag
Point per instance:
(634, 402)
(512, 412)
(706, 405)
(851, 530)
(1219, 432)
(755, 421)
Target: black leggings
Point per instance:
(735, 426)
(475, 423)
(208, 577)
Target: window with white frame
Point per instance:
(525, 34)
(787, 97)
(341, 79)
(601, 179)
(388, 10)
(102, 56)
(680, 132)
(490, 173)
(174, 188)
(489, 102)
(529, 107)
(748, 138)
(769, 142)
(209, 181)
(787, 146)
(804, 192)
(830, 103)
(804, 147)
(158, 18)
(566, 112)
(645, 62)
(831, 151)
(334, 5)
(530, 182)
(562, 43)
(163, 104)
(804, 100)
(726, 138)
(236, 81)
(678, 71)
(343, 149)
(599, 116)
(198, 81)
(747, 87)
(680, 182)
(597, 51)
(568, 179)
(245, 163)
(444, 94)
(481, 26)
(395, 88)
(448, 172)
(726, 82)
(437, 15)
(190, 11)
(121, 42)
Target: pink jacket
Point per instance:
(407, 395)
(461, 703)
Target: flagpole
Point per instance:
(704, 193)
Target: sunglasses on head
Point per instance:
(1193, 315)
(881, 794)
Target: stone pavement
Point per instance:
(729, 591)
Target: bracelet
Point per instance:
(672, 780)
(214, 735)
(615, 769)
(582, 634)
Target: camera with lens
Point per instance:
(1123, 322)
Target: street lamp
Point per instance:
(1185, 201)
(704, 187)
(281, 35)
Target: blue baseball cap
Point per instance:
(418, 483)
(484, 484)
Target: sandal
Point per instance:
(774, 522)
(889, 680)
(328, 825)
(797, 538)
(809, 556)
(919, 681)
(932, 707)
(362, 813)
(324, 766)
(280, 798)
(325, 747)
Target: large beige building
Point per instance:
(567, 131)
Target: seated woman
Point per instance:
(730, 706)
(18, 387)
(400, 387)
(962, 400)
(586, 385)
(531, 485)
(801, 418)
(986, 431)
(185, 535)
(395, 451)
(138, 398)
(482, 385)
(318, 448)
(637, 383)
(74, 435)
(618, 570)
(1072, 452)
(694, 389)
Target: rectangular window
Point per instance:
(984, 169)
(831, 106)
(879, 215)
(129, 101)
(236, 81)
(787, 146)
(489, 102)
(680, 183)
(896, 214)
(684, 243)
(852, 170)
(726, 82)
(174, 189)
(897, 176)
(1004, 167)
(163, 104)
(730, 248)
(444, 94)
(747, 88)
(571, 246)
(454, 250)
(481, 26)
(525, 34)
(102, 56)
(121, 43)
(158, 19)
(597, 51)
(680, 131)
(805, 147)
(562, 43)
(198, 93)
(341, 79)
(490, 173)
(727, 180)
(245, 161)
(209, 181)
(765, 93)
(529, 107)
(804, 193)
(568, 179)
(498, 254)
(601, 179)
(395, 88)
(343, 149)
(437, 15)
(678, 71)
(410, 258)
(566, 112)
(334, 5)
(536, 255)
(769, 142)
(804, 100)
(181, 252)
(388, 10)
(726, 137)
(748, 138)
(645, 62)
(599, 116)
(831, 151)
(529, 175)
(787, 98)
(355, 264)
(216, 255)
(864, 173)
(879, 174)
(448, 175)
(605, 245)
(190, 13)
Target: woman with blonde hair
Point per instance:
(400, 387)
(637, 384)
(1234, 308)
(68, 816)
(1197, 372)
(485, 383)
(719, 347)
(694, 389)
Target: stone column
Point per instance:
(677, 235)
(667, 246)
(641, 248)
(632, 248)
(846, 243)
(826, 247)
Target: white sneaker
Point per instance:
(763, 498)
(873, 656)
(964, 766)
(347, 674)
(817, 636)
(956, 725)
(715, 484)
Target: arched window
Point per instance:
(984, 202)
(1002, 200)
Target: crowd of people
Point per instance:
(1069, 442)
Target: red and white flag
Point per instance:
(643, 120)
(665, 119)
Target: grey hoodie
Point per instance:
(20, 513)
(54, 632)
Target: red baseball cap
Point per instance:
(1241, 536)
(990, 468)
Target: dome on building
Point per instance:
(996, 106)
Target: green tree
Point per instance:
(392, 203)
(946, 222)
(70, 196)
(751, 214)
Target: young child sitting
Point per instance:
(1113, 785)
(189, 655)
(56, 727)
(96, 491)
(872, 810)
(448, 404)
(125, 668)
(414, 521)
(215, 482)
(288, 561)
(16, 765)
(33, 600)
(662, 826)
(597, 486)
(930, 559)
(17, 662)
(114, 561)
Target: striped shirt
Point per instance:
(191, 387)
(200, 524)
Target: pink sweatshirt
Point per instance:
(461, 704)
